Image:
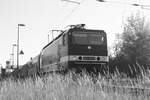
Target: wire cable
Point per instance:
(70, 14)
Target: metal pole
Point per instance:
(52, 35)
(13, 54)
(18, 47)
(48, 38)
(10, 58)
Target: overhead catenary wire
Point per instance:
(66, 17)
(67, 2)
(55, 24)
(114, 2)
(125, 3)
(72, 11)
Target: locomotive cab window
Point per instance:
(84, 38)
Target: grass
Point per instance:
(69, 87)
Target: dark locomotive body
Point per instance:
(88, 50)
(74, 49)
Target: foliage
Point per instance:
(136, 40)
(69, 87)
(135, 43)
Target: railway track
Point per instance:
(128, 88)
(132, 90)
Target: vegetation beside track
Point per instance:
(70, 87)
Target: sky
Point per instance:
(41, 16)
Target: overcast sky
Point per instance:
(41, 16)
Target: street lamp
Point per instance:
(13, 54)
(101, 0)
(72, 1)
(18, 45)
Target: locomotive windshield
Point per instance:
(84, 38)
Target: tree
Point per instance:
(136, 40)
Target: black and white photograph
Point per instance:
(75, 50)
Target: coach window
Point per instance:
(64, 39)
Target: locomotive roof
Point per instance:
(71, 30)
(86, 30)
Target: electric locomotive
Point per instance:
(75, 49)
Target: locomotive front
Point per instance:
(87, 49)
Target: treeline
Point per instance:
(132, 49)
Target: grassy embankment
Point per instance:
(57, 87)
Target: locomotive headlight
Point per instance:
(73, 58)
(104, 58)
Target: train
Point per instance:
(75, 49)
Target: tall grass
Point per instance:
(69, 87)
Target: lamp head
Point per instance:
(21, 25)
